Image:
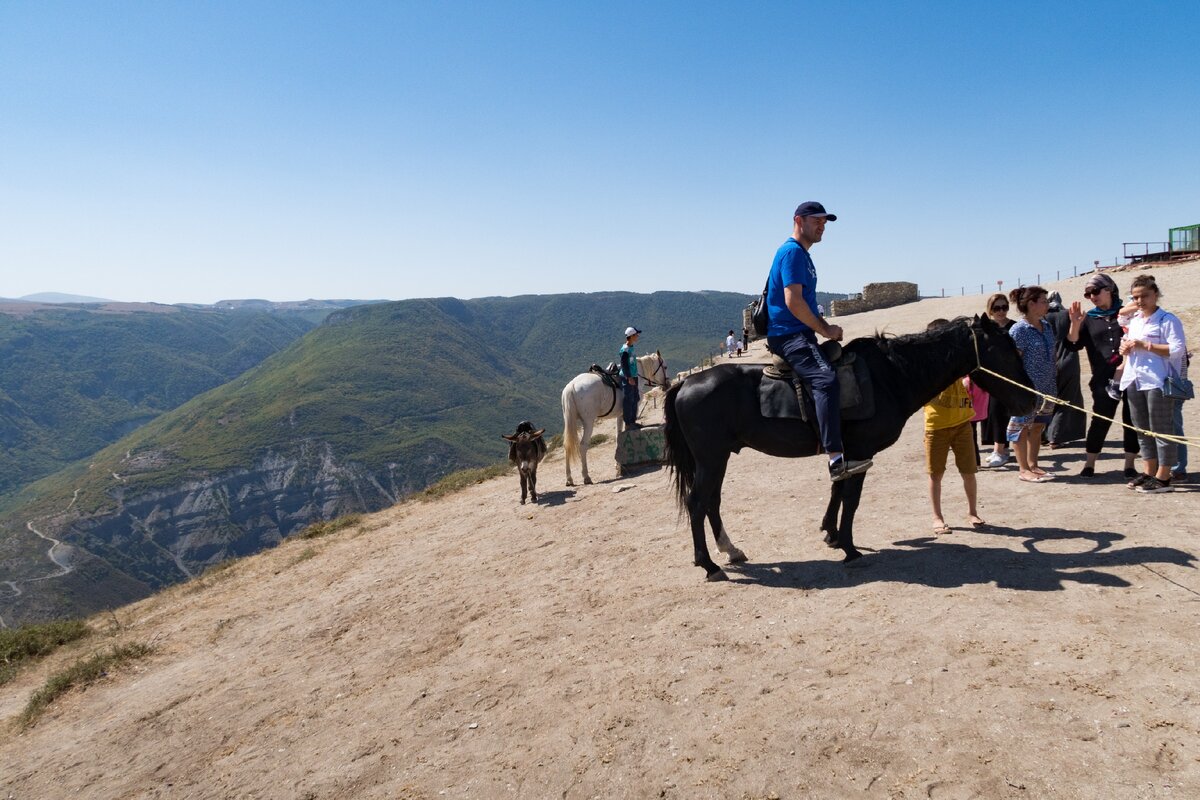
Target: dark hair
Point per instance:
(937, 323)
(1145, 282)
(1022, 296)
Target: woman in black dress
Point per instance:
(995, 427)
(1099, 333)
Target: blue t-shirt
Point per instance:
(792, 265)
(628, 361)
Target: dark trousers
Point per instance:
(801, 352)
(1098, 429)
(629, 401)
(995, 427)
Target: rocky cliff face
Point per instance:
(162, 536)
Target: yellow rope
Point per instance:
(1167, 436)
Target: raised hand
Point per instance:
(1075, 312)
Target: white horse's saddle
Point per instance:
(610, 375)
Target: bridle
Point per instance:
(660, 366)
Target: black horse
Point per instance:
(716, 412)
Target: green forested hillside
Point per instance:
(73, 380)
(420, 387)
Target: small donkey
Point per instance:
(525, 449)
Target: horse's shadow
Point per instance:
(954, 561)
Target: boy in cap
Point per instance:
(795, 323)
(629, 376)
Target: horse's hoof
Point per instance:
(854, 560)
(522, 501)
(570, 483)
(737, 557)
(719, 575)
(587, 481)
(831, 540)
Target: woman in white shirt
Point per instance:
(1153, 348)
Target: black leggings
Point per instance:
(1098, 429)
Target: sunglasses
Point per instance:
(1090, 292)
(1000, 308)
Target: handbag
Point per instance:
(1177, 387)
(759, 317)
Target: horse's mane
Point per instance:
(901, 349)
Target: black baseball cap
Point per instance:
(812, 208)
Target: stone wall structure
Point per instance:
(876, 295)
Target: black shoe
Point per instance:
(842, 469)
(1155, 486)
(1130, 472)
(1087, 472)
(1139, 481)
(633, 426)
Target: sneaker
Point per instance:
(1179, 475)
(1087, 472)
(842, 468)
(1137, 482)
(996, 460)
(1113, 389)
(633, 426)
(1155, 486)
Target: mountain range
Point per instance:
(374, 404)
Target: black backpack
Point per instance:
(759, 318)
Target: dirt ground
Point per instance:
(473, 647)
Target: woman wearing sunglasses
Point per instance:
(1099, 333)
(995, 427)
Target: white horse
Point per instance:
(586, 399)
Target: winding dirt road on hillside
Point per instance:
(59, 555)
(474, 647)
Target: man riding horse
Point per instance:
(795, 323)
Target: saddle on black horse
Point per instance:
(782, 395)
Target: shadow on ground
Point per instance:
(964, 558)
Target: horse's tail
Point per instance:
(570, 425)
(677, 452)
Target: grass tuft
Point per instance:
(597, 438)
(457, 481)
(83, 672)
(319, 529)
(31, 642)
(303, 555)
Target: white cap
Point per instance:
(630, 331)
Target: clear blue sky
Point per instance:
(194, 151)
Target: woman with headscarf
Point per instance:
(1034, 337)
(1154, 348)
(995, 426)
(1066, 423)
(1099, 333)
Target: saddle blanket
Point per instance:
(778, 397)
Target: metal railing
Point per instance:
(1140, 249)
